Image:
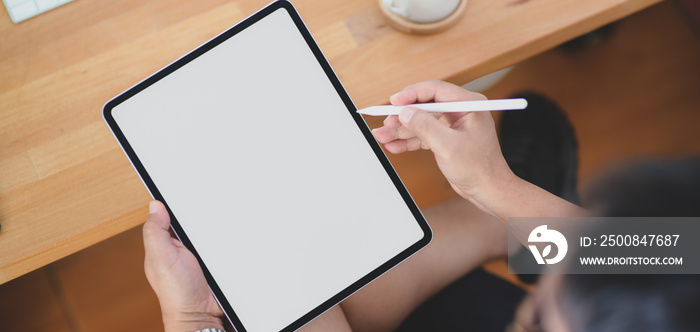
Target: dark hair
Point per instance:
(606, 303)
(650, 188)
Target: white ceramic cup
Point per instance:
(422, 11)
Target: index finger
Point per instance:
(433, 91)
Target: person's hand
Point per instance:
(465, 144)
(176, 277)
(526, 317)
(541, 310)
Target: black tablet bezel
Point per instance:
(289, 8)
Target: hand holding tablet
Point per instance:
(172, 270)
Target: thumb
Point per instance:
(156, 230)
(425, 126)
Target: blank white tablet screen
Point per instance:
(268, 174)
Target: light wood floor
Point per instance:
(636, 94)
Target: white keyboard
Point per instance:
(21, 10)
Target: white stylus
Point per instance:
(457, 106)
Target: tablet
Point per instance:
(270, 177)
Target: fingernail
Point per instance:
(394, 95)
(153, 207)
(406, 114)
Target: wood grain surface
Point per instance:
(64, 182)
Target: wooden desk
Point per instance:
(64, 182)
